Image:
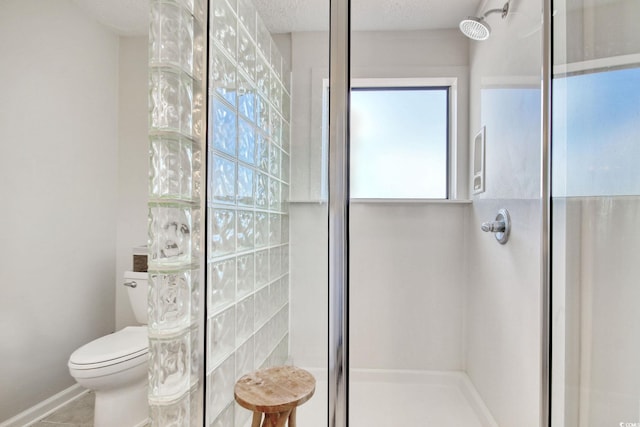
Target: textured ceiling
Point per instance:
(129, 17)
(311, 15)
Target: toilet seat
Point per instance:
(112, 353)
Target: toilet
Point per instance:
(115, 366)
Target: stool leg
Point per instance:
(292, 418)
(276, 419)
(257, 417)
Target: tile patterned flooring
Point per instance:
(78, 413)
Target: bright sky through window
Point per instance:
(399, 139)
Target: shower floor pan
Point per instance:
(402, 398)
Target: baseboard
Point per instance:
(44, 408)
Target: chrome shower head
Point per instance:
(477, 28)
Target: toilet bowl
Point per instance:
(115, 367)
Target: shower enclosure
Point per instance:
(270, 245)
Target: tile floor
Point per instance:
(78, 413)
(428, 405)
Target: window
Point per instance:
(400, 142)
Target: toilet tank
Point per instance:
(137, 286)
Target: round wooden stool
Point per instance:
(274, 392)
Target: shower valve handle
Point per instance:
(493, 226)
(501, 226)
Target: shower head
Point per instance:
(477, 28)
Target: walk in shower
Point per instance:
(289, 221)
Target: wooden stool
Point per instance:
(274, 392)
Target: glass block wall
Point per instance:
(247, 205)
(177, 49)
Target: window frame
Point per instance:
(428, 83)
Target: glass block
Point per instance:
(186, 105)
(224, 26)
(274, 194)
(196, 234)
(262, 229)
(284, 197)
(286, 80)
(175, 414)
(244, 320)
(262, 114)
(223, 75)
(247, 16)
(222, 231)
(223, 128)
(188, 5)
(164, 99)
(275, 124)
(243, 416)
(275, 257)
(195, 360)
(263, 38)
(246, 98)
(245, 230)
(169, 367)
(244, 358)
(286, 168)
(263, 74)
(245, 186)
(262, 152)
(226, 418)
(276, 60)
(262, 268)
(198, 106)
(282, 293)
(199, 48)
(274, 160)
(246, 54)
(286, 106)
(221, 383)
(169, 301)
(170, 228)
(246, 142)
(223, 180)
(245, 275)
(222, 284)
(262, 182)
(261, 299)
(186, 41)
(261, 346)
(275, 92)
(275, 229)
(165, 167)
(196, 170)
(285, 229)
(164, 33)
(200, 10)
(286, 137)
(285, 259)
(222, 335)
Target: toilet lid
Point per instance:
(125, 344)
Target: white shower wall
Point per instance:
(407, 261)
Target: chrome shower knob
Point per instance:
(501, 226)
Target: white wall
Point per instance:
(133, 164)
(407, 260)
(504, 283)
(58, 129)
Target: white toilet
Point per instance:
(115, 366)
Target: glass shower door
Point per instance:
(595, 214)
